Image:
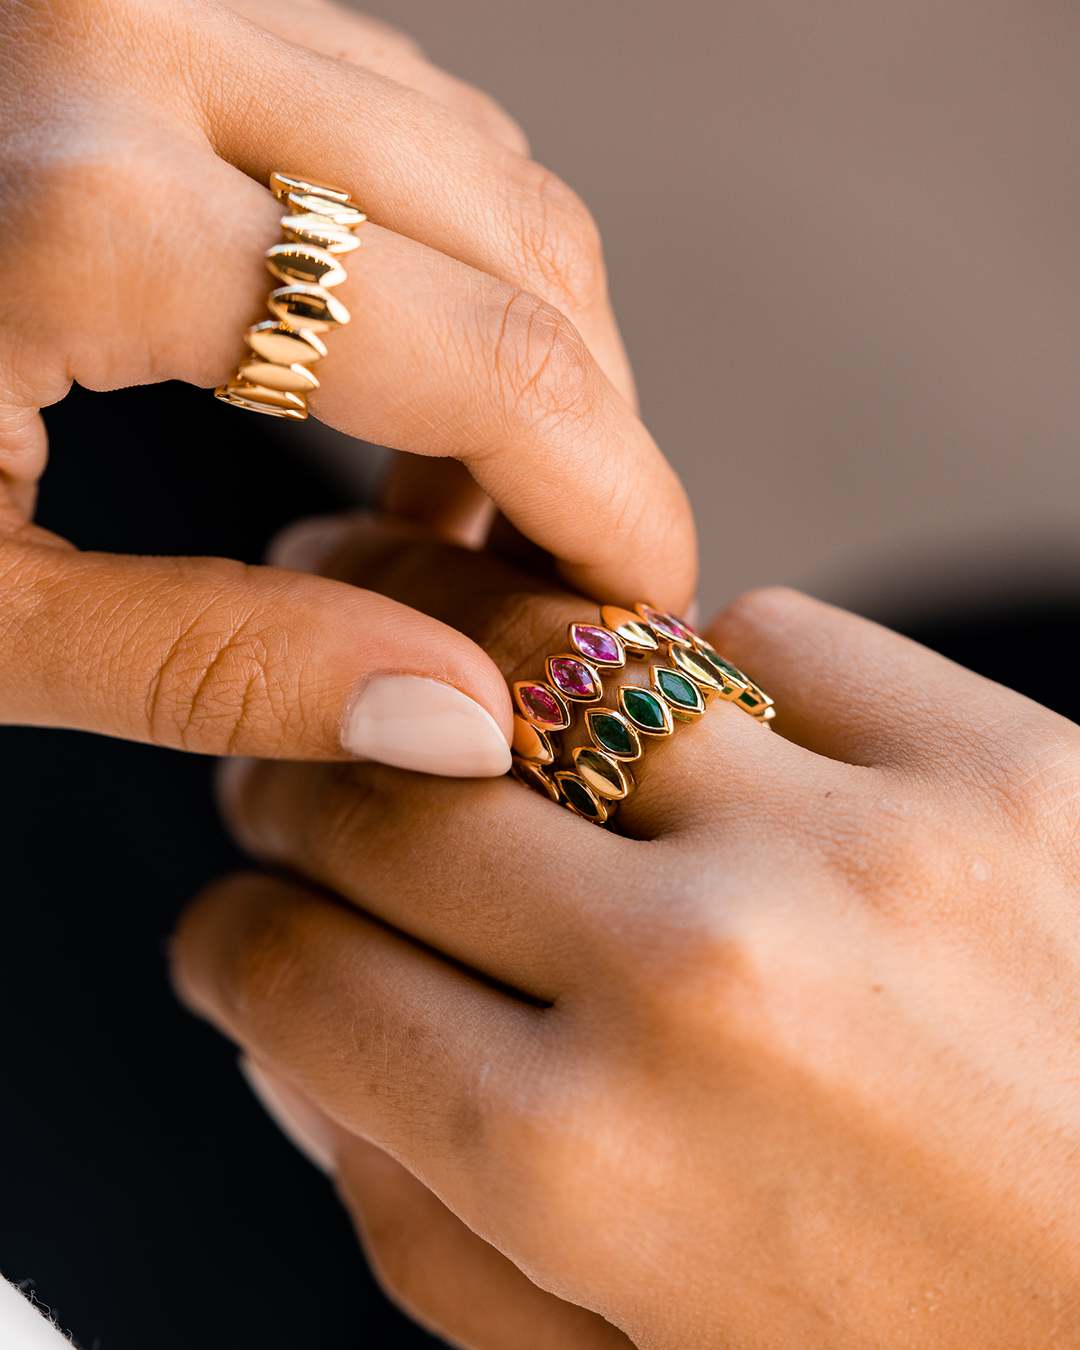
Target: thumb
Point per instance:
(215, 656)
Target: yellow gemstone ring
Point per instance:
(578, 730)
(318, 231)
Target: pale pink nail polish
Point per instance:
(416, 723)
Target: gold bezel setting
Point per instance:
(604, 774)
(685, 675)
(318, 230)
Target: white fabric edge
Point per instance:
(22, 1326)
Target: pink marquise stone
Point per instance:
(597, 643)
(540, 705)
(572, 678)
(667, 625)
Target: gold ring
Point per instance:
(618, 717)
(318, 231)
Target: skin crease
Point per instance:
(792, 1062)
(136, 137)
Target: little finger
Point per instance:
(435, 1268)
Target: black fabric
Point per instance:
(141, 1187)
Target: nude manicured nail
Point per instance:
(415, 723)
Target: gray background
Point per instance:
(843, 245)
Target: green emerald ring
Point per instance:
(634, 677)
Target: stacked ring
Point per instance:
(319, 229)
(618, 717)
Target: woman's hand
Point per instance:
(793, 1062)
(137, 139)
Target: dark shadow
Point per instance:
(143, 1191)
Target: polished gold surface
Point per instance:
(318, 230)
(257, 398)
(755, 701)
(531, 743)
(603, 773)
(261, 393)
(307, 307)
(306, 263)
(704, 674)
(341, 213)
(629, 629)
(534, 777)
(283, 345)
(666, 626)
(281, 183)
(297, 378)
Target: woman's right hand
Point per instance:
(138, 137)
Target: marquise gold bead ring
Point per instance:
(317, 233)
(580, 728)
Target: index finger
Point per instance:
(444, 361)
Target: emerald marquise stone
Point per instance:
(725, 668)
(643, 708)
(610, 734)
(678, 690)
(579, 796)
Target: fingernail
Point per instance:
(306, 544)
(304, 1127)
(420, 724)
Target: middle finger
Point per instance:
(442, 360)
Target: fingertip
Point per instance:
(211, 930)
(425, 725)
(306, 545)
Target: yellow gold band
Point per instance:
(584, 763)
(318, 231)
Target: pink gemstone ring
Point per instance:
(635, 676)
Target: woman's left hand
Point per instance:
(792, 1062)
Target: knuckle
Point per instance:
(561, 245)
(267, 958)
(540, 366)
(763, 607)
(484, 112)
(331, 813)
(1028, 771)
(515, 630)
(212, 686)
